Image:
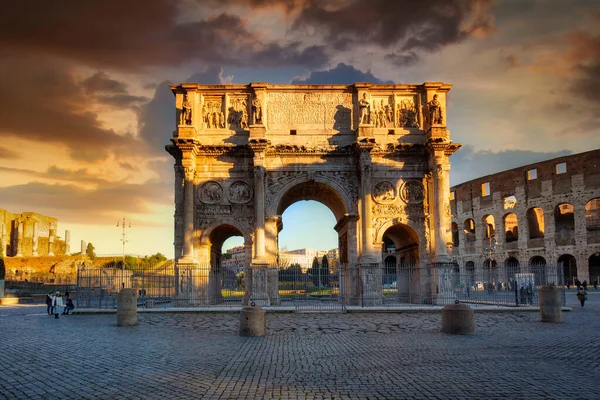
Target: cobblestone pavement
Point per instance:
(305, 356)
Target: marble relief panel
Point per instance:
(213, 112)
(382, 112)
(327, 110)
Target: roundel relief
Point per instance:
(412, 192)
(239, 192)
(384, 192)
(210, 193)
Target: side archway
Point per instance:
(569, 267)
(594, 268)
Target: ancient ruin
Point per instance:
(541, 214)
(31, 234)
(376, 155)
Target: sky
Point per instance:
(86, 110)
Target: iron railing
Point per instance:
(168, 284)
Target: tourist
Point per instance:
(581, 296)
(577, 283)
(49, 304)
(595, 284)
(68, 307)
(584, 284)
(568, 284)
(57, 303)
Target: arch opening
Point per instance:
(489, 226)
(538, 267)
(511, 228)
(405, 241)
(535, 223)
(564, 220)
(592, 220)
(569, 267)
(594, 269)
(469, 228)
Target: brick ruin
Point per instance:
(546, 213)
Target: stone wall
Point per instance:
(57, 269)
(556, 212)
(30, 234)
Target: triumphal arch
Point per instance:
(376, 155)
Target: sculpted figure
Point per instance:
(363, 105)
(186, 112)
(257, 111)
(244, 123)
(435, 111)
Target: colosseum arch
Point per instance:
(376, 155)
(535, 223)
(489, 225)
(511, 227)
(564, 224)
(469, 228)
(592, 220)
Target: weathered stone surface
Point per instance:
(550, 304)
(126, 308)
(458, 319)
(253, 321)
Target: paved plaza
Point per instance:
(304, 356)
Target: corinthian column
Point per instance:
(259, 207)
(441, 200)
(188, 215)
(368, 250)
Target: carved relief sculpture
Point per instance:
(257, 110)
(412, 192)
(435, 111)
(214, 118)
(407, 114)
(186, 112)
(384, 192)
(364, 111)
(239, 192)
(382, 114)
(210, 193)
(238, 114)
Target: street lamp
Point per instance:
(124, 224)
(489, 253)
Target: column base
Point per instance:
(444, 284)
(262, 285)
(372, 288)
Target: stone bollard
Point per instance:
(550, 304)
(253, 321)
(126, 308)
(458, 319)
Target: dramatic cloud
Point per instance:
(135, 34)
(341, 74)
(43, 101)
(8, 154)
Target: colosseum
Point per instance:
(532, 217)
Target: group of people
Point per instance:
(55, 302)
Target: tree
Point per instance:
(90, 251)
(314, 271)
(325, 271)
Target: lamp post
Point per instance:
(489, 253)
(124, 223)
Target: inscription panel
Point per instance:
(317, 110)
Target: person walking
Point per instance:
(49, 304)
(57, 303)
(584, 284)
(581, 296)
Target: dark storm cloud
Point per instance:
(404, 25)
(468, 164)
(100, 82)
(585, 54)
(341, 74)
(133, 34)
(43, 102)
(403, 59)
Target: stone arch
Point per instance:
(512, 267)
(511, 227)
(569, 267)
(489, 225)
(470, 270)
(469, 228)
(564, 222)
(212, 238)
(538, 267)
(535, 222)
(319, 188)
(390, 272)
(490, 270)
(594, 268)
(592, 221)
(406, 238)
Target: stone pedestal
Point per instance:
(445, 289)
(126, 308)
(550, 304)
(259, 282)
(458, 319)
(253, 321)
(370, 275)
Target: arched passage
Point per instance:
(512, 267)
(594, 268)
(390, 273)
(569, 267)
(406, 243)
(592, 221)
(535, 222)
(538, 267)
(511, 227)
(564, 220)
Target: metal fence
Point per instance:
(317, 289)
